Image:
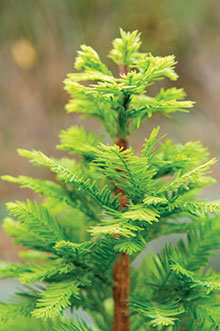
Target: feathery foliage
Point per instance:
(75, 235)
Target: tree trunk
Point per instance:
(121, 272)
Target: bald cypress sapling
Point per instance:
(100, 212)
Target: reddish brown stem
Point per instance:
(121, 272)
(123, 143)
(123, 69)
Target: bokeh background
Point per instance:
(38, 43)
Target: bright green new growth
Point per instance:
(71, 237)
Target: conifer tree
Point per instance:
(101, 211)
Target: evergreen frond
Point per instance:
(159, 314)
(92, 103)
(126, 170)
(103, 197)
(9, 270)
(141, 213)
(196, 207)
(130, 246)
(209, 281)
(171, 93)
(88, 59)
(21, 306)
(125, 49)
(28, 323)
(195, 176)
(43, 187)
(69, 249)
(150, 200)
(155, 67)
(207, 313)
(58, 193)
(149, 147)
(201, 242)
(46, 271)
(11, 311)
(76, 141)
(38, 220)
(122, 228)
(56, 298)
(144, 107)
(67, 325)
(23, 235)
(188, 257)
(168, 158)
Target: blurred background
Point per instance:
(38, 42)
